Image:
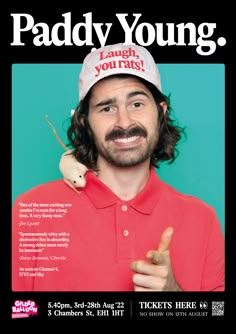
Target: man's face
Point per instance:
(124, 119)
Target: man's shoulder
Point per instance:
(186, 200)
(43, 190)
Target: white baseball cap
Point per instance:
(117, 59)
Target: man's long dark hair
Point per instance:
(80, 135)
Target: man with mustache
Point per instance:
(127, 229)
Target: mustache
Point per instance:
(125, 133)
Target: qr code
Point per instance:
(218, 308)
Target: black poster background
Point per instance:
(160, 13)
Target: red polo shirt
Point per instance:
(86, 242)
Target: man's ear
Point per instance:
(164, 106)
(82, 117)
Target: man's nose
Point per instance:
(124, 119)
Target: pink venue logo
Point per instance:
(23, 309)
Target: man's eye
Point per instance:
(137, 105)
(106, 109)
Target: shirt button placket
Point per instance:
(124, 240)
(125, 208)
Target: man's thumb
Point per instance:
(165, 239)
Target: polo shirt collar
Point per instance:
(102, 197)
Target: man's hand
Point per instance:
(157, 275)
